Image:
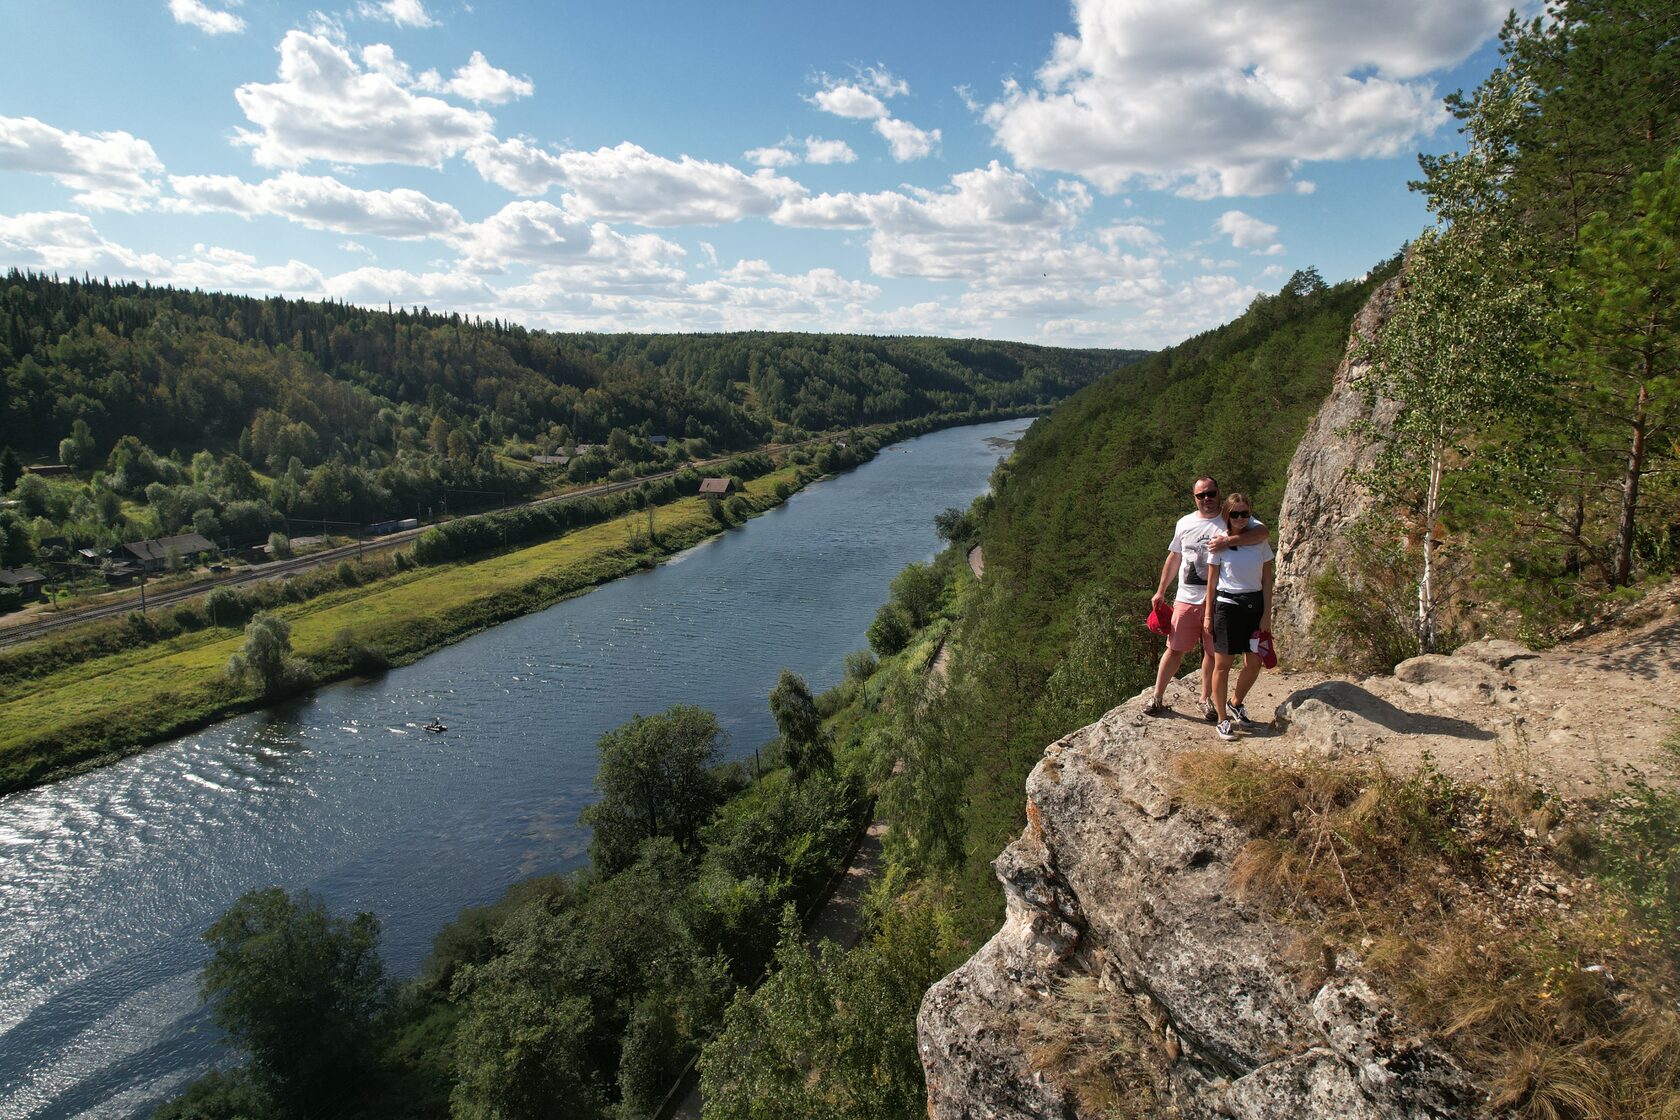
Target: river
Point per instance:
(108, 879)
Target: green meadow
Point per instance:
(105, 707)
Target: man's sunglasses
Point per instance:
(1206, 494)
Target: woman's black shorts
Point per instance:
(1236, 616)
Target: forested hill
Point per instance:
(230, 415)
(191, 369)
(1091, 495)
(1074, 536)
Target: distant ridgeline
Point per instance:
(223, 413)
(193, 369)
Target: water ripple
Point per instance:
(108, 879)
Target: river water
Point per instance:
(108, 879)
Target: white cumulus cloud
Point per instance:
(818, 150)
(403, 13)
(478, 81)
(326, 106)
(61, 241)
(318, 202)
(773, 156)
(849, 101)
(1214, 99)
(525, 232)
(516, 165)
(864, 98)
(111, 170)
(630, 184)
(211, 21)
(904, 140)
(1248, 232)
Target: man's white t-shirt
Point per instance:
(1190, 541)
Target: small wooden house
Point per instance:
(716, 487)
(154, 555)
(28, 581)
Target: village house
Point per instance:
(28, 581)
(156, 555)
(716, 487)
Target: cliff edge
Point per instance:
(1123, 885)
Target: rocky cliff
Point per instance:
(1323, 498)
(1125, 929)
(1122, 886)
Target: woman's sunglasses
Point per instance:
(1238, 513)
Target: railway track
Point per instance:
(28, 628)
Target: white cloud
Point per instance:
(516, 165)
(478, 81)
(1134, 234)
(1211, 99)
(993, 226)
(327, 107)
(1248, 232)
(382, 59)
(526, 232)
(60, 241)
(318, 202)
(818, 150)
(627, 183)
(376, 287)
(849, 101)
(905, 140)
(864, 98)
(776, 156)
(403, 13)
(112, 170)
(211, 21)
(227, 270)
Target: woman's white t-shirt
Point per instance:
(1241, 566)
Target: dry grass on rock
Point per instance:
(1464, 904)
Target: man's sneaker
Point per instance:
(1155, 706)
(1238, 713)
(1209, 712)
(1225, 730)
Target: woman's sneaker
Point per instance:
(1238, 713)
(1226, 730)
(1209, 712)
(1155, 706)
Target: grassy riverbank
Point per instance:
(103, 708)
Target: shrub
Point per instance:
(227, 606)
(861, 665)
(891, 630)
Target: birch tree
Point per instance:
(1457, 352)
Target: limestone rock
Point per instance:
(1323, 497)
(1114, 877)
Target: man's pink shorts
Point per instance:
(1187, 627)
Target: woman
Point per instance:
(1240, 602)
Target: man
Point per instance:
(1195, 536)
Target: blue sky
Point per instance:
(1105, 173)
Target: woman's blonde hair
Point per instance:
(1235, 499)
